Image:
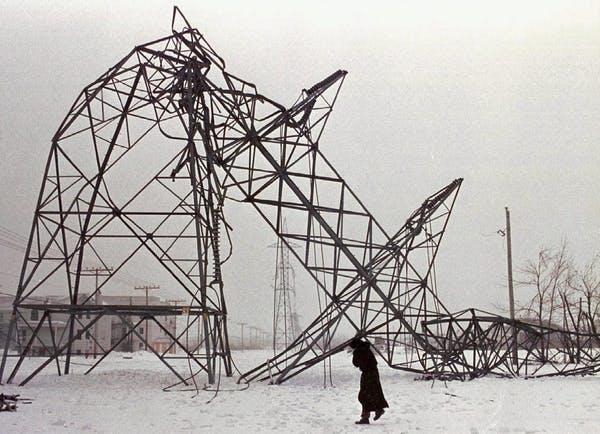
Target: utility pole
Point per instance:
(242, 324)
(511, 296)
(257, 333)
(96, 272)
(174, 331)
(146, 288)
(175, 301)
(253, 337)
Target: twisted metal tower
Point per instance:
(130, 179)
(198, 137)
(172, 103)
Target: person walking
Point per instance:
(370, 394)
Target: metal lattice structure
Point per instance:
(378, 286)
(285, 317)
(473, 343)
(220, 140)
(89, 211)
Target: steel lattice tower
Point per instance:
(285, 317)
(88, 210)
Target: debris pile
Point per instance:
(9, 402)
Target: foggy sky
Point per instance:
(505, 95)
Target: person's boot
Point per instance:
(378, 414)
(364, 418)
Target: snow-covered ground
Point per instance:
(125, 395)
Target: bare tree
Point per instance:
(549, 277)
(585, 286)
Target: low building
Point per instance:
(158, 339)
(106, 332)
(5, 313)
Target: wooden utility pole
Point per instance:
(146, 288)
(511, 295)
(257, 337)
(242, 324)
(252, 336)
(96, 272)
(175, 302)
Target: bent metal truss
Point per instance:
(215, 139)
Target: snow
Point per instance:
(125, 395)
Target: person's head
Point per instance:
(354, 344)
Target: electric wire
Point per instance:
(193, 374)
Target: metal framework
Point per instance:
(472, 343)
(377, 285)
(285, 317)
(225, 141)
(89, 211)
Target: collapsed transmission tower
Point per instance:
(152, 116)
(171, 103)
(285, 317)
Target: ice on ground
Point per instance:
(125, 395)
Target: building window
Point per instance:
(34, 315)
(141, 330)
(87, 334)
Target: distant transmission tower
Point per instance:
(285, 318)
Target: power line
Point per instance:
(16, 241)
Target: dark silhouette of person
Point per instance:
(370, 394)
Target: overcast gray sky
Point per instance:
(504, 94)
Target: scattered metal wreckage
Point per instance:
(9, 402)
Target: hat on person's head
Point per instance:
(355, 343)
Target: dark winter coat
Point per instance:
(370, 395)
